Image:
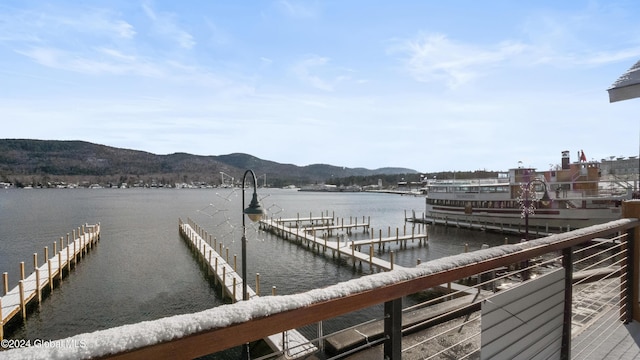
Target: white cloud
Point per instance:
(51, 25)
(124, 29)
(115, 63)
(304, 71)
(434, 57)
(165, 25)
(297, 9)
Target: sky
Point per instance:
(426, 85)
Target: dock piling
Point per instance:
(49, 274)
(23, 305)
(224, 280)
(233, 299)
(5, 282)
(258, 284)
(391, 259)
(60, 264)
(371, 257)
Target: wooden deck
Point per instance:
(325, 223)
(291, 343)
(347, 249)
(43, 278)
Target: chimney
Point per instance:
(565, 160)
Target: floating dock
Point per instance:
(348, 249)
(291, 343)
(43, 278)
(325, 223)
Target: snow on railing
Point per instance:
(226, 326)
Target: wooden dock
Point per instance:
(347, 249)
(291, 343)
(43, 278)
(326, 223)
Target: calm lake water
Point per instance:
(142, 270)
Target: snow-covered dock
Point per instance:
(326, 223)
(347, 249)
(291, 343)
(32, 287)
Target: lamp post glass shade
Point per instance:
(546, 200)
(254, 211)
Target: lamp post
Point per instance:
(527, 203)
(255, 212)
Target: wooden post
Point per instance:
(35, 268)
(273, 291)
(5, 283)
(22, 270)
(234, 290)
(68, 258)
(75, 253)
(258, 284)
(224, 279)
(371, 257)
(23, 307)
(215, 272)
(38, 285)
(391, 259)
(418, 262)
(353, 253)
(60, 264)
(49, 274)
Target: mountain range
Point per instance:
(39, 162)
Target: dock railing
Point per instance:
(590, 273)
